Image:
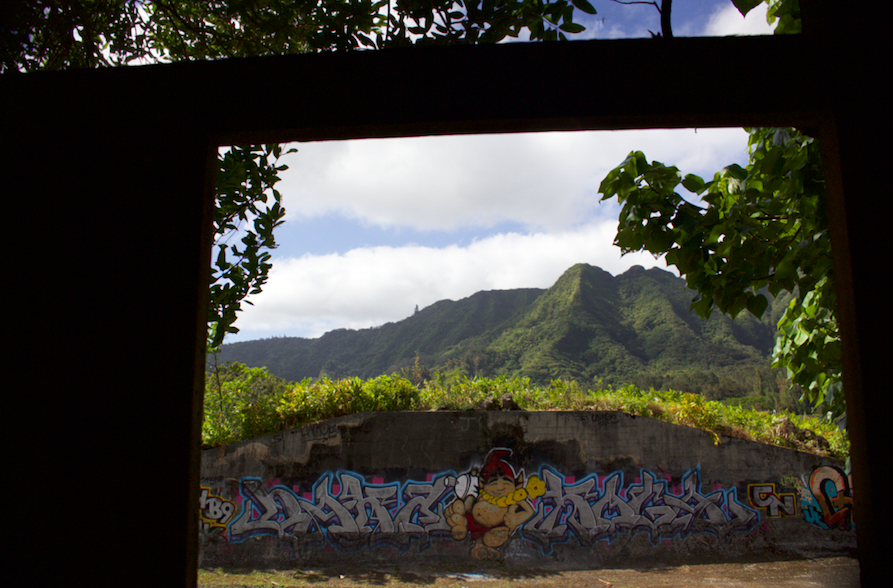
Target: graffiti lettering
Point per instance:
(776, 505)
(210, 534)
(600, 418)
(318, 431)
(827, 501)
(215, 510)
(345, 511)
(594, 509)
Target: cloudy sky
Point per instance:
(376, 227)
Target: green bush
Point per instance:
(242, 403)
(309, 401)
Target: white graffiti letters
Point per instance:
(215, 511)
(590, 513)
(345, 511)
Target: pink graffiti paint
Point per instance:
(637, 480)
(308, 496)
(570, 480)
(717, 486)
(429, 478)
(295, 488)
(336, 490)
(381, 480)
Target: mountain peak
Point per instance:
(588, 326)
(634, 271)
(583, 272)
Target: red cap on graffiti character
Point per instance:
(497, 465)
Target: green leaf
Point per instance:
(736, 171)
(764, 225)
(584, 5)
(694, 184)
(757, 305)
(745, 6)
(572, 27)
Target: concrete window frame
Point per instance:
(109, 175)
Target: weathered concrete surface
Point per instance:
(590, 489)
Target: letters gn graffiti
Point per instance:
(345, 511)
(775, 504)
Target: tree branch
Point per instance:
(655, 4)
(664, 9)
(666, 26)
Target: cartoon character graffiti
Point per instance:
(491, 503)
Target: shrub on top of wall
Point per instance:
(242, 403)
(325, 398)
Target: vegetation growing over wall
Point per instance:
(247, 402)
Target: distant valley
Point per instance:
(590, 326)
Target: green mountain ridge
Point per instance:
(589, 326)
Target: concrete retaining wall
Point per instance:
(546, 489)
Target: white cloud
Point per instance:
(726, 21)
(310, 295)
(545, 181)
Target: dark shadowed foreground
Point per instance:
(833, 572)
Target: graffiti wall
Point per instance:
(822, 497)
(215, 513)
(500, 507)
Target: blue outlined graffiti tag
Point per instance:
(345, 511)
(595, 508)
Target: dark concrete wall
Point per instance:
(600, 489)
(111, 173)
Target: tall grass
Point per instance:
(286, 405)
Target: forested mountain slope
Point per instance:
(380, 350)
(589, 326)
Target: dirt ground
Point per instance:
(834, 572)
